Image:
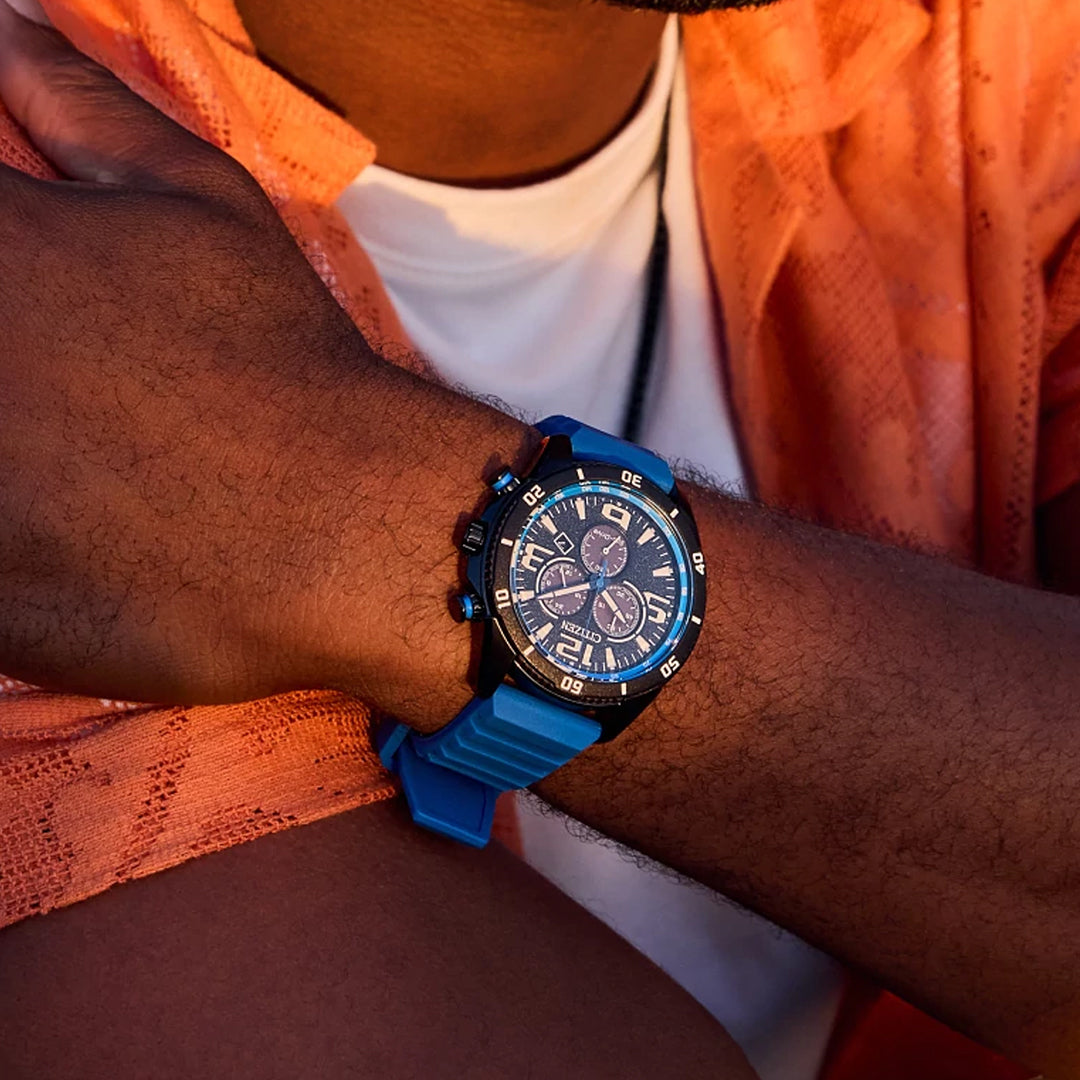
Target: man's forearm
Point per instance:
(880, 752)
(873, 748)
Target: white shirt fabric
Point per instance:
(535, 295)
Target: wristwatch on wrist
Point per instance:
(588, 576)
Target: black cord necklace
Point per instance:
(654, 297)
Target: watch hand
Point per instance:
(564, 592)
(601, 577)
(608, 599)
(616, 611)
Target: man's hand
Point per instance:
(156, 317)
(182, 415)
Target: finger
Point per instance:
(85, 120)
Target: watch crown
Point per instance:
(505, 482)
(473, 540)
(472, 608)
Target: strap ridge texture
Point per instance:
(510, 739)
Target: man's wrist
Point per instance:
(383, 612)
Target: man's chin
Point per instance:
(689, 7)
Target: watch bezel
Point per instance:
(531, 664)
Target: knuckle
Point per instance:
(73, 74)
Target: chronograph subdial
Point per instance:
(561, 588)
(603, 549)
(617, 610)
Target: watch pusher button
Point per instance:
(471, 606)
(505, 482)
(472, 542)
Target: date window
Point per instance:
(564, 543)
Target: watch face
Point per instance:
(599, 582)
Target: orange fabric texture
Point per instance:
(890, 193)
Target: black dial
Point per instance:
(600, 582)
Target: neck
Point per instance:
(477, 92)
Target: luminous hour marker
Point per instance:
(507, 541)
(579, 505)
(624, 689)
(695, 619)
(548, 524)
(662, 571)
(609, 656)
(647, 535)
(544, 631)
(586, 656)
(581, 474)
(641, 643)
(529, 650)
(525, 594)
(674, 512)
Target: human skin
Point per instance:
(477, 92)
(352, 947)
(481, 92)
(873, 748)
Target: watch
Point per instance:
(588, 576)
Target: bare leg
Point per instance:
(356, 946)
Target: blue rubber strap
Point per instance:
(445, 801)
(589, 444)
(509, 740)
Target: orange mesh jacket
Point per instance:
(889, 190)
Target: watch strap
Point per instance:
(590, 444)
(495, 744)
